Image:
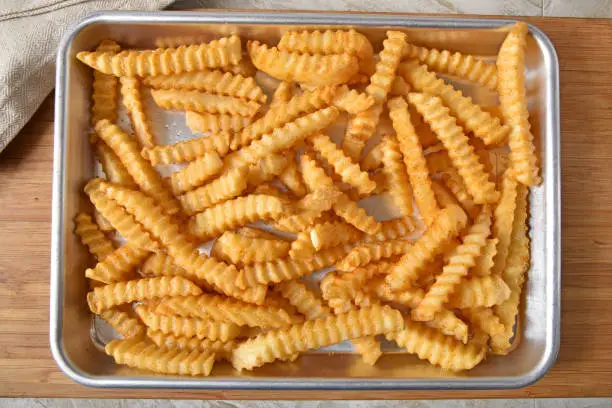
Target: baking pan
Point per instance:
(72, 339)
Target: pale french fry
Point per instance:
(315, 69)
(225, 187)
(222, 83)
(414, 160)
(223, 309)
(351, 101)
(266, 169)
(216, 53)
(104, 89)
(365, 254)
(292, 179)
(514, 275)
(303, 299)
(513, 101)
(90, 235)
(392, 229)
(282, 93)
(215, 123)
(461, 260)
(446, 226)
(484, 319)
(195, 173)
(222, 350)
(503, 220)
(397, 176)
(251, 232)
(348, 171)
(234, 213)
(450, 325)
(188, 150)
(470, 116)
(204, 102)
(431, 345)
(123, 323)
(314, 334)
(464, 66)
(459, 150)
(246, 250)
(132, 100)
(485, 291)
(140, 354)
(112, 167)
(381, 80)
(484, 263)
(373, 159)
(359, 129)
(114, 294)
(118, 265)
(330, 234)
(141, 170)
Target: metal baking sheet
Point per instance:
(73, 338)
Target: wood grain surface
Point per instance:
(584, 367)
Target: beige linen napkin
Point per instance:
(30, 31)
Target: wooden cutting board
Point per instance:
(584, 367)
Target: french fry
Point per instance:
(239, 249)
(141, 170)
(234, 213)
(132, 100)
(222, 350)
(514, 275)
(350, 100)
(456, 142)
(302, 247)
(359, 130)
(457, 267)
(348, 171)
(225, 187)
(315, 69)
(431, 345)
(215, 123)
(102, 222)
(309, 209)
(414, 160)
(399, 86)
(282, 93)
(470, 116)
(314, 334)
(365, 254)
(446, 226)
(292, 179)
(464, 66)
(188, 326)
(303, 299)
(195, 173)
(484, 263)
(266, 169)
(224, 309)
(104, 89)
(397, 176)
(513, 101)
(373, 160)
(114, 294)
(123, 323)
(443, 196)
(392, 229)
(112, 167)
(244, 67)
(118, 265)
(138, 353)
(252, 232)
(222, 83)
(484, 319)
(381, 80)
(485, 291)
(456, 185)
(188, 150)
(503, 220)
(90, 235)
(161, 264)
(330, 234)
(204, 102)
(166, 61)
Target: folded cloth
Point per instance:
(30, 31)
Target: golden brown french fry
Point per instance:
(188, 150)
(204, 102)
(132, 100)
(90, 235)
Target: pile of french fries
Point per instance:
(443, 280)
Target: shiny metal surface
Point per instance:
(71, 343)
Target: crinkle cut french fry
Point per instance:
(484, 319)
(392, 229)
(104, 89)
(163, 227)
(114, 294)
(514, 274)
(302, 247)
(348, 171)
(513, 101)
(292, 179)
(464, 66)
(141, 170)
(461, 260)
(225, 187)
(223, 309)
(416, 166)
(381, 80)
(365, 254)
(351, 101)
(246, 250)
(303, 299)
(310, 209)
(504, 219)
(327, 42)
(118, 265)
(397, 176)
(215, 123)
(188, 150)
(430, 344)
(456, 185)
(244, 67)
(484, 291)
(234, 213)
(124, 323)
(120, 219)
(196, 173)
(330, 234)
(359, 130)
(204, 102)
(443, 196)
(459, 150)
(252, 232)
(222, 83)
(315, 69)
(446, 226)
(138, 353)
(222, 350)
(484, 263)
(112, 167)
(373, 159)
(96, 242)
(102, 222)
(469, 115)
(267, 168)
(132, 100)
(282, 94)
(216, 53)
(315, 334)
